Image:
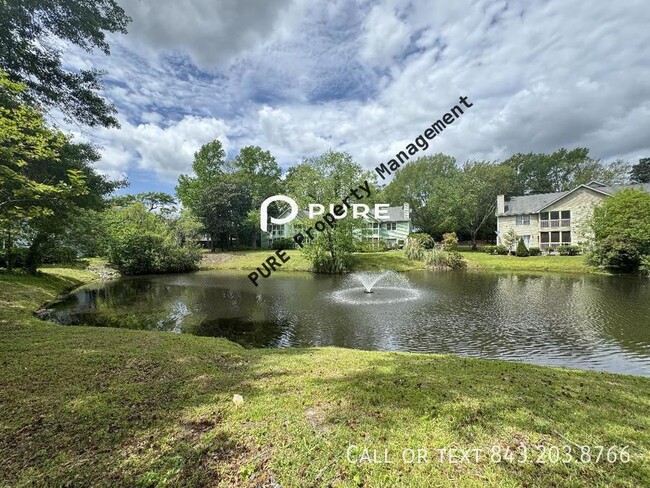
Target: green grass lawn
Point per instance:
(84, 406)
(557, 264)
(396, 261)
(249, 260)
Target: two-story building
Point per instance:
(393, 229)
(548, 220)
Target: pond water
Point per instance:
(589, 322)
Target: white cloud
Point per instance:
(166, 151)
(300, 77)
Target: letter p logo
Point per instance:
(264, 213)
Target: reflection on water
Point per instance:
(594, 322)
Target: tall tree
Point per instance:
(475, 194)
(640, 172)
(222, 208)
(27, 148)
(562, 170)
(426, 185)
(30, 53)
(208, 165)
(325, 180)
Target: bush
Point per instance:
(426, 241)
(534, 251)
(644, 266)
(437, 258)
(414, 250)
(501, 250)
(282, 243)
(135, 252)
(522, 250)
(449, 241)
(59, 254)
(18, 257)
(614, 252)
(370, 245)
(568, 250)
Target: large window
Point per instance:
(522, 220)
(277, 230)
(555, 219)
(554, 239)
(391, 225)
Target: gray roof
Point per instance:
(528, 204)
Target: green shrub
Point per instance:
(414, 250)
(282, 243)
(522, 250)
(644, 266)
(18, 257)
(534, 251)
(449, 241)
(371, 245)
(426, 241)
(59, 254)
(614, 252)
(568, 250)
(500, 249)
(437, 258)
(135, 252)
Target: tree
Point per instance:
(27, 149)
(33, 34)
(222, 209)
(207, 166)
(621, 229)
(259, 170)
(474, 195)
(562, 170)
(152, 200)
(640, 172)
(325, 180)
(143, 242)
(426, 185)
(522, 250)
(509, 239)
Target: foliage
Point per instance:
(425, 240)
(616, 252)
(327, 179)
(438, 258)
(153, 200)
(426, 185)
(500, 249)
(222, 209)
(640, 172)
(33, 36)
(449, 241)
(534, 251)
(282, 243)
(475, 194)
(510, 239)
(141, 242)
(644, 266)
(522, 250)
(621, 229)
(568, 250)
(414, 249)
(371, 245)
(562, 170)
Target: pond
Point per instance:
(590, 322)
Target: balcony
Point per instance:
(554, 223)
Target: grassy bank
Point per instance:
(249, 260)
(556, 264)
(396, 261)
(85, 406)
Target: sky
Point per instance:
(300, 77)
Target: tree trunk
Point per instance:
(35, 253)
(472, 236)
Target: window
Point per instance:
(523, 220)
(566, 214)
(555, 219)
(555, 215)
(391, 225)
(554, 239)
(544, 215)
